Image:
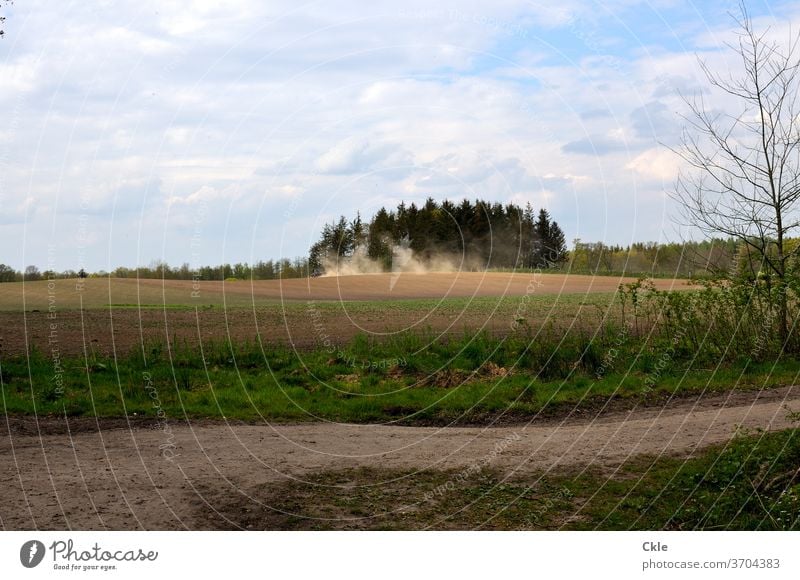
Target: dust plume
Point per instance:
(358, 263)
(404, 261)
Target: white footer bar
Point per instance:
(401, 555)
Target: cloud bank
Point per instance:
(131, 131)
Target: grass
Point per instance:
(750, 484)
(413, 379)
(672, 344)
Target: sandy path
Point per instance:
(118, 478)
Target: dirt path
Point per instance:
(151, 478)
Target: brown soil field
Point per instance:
(114, 474)
(105, 292)
(117, 315)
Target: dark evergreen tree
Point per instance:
(380, 237)
(479, 232)
(358, 233)
(541, 231)
(557, 245)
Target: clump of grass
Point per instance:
(753, 483)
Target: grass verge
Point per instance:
(413, 379)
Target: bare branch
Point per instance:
(742, 176)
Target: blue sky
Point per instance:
(204, 131)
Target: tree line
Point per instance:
(713, 258)
(480, 234)
(32, 273)
(261, 270)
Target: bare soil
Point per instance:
(102, 292)
(120, 331)
(105, 318)
(116, 474)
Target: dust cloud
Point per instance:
(404, 261)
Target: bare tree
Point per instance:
(744, 180)
(2, 17)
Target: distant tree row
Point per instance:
(32, 273)
(709, 258)
(261, 270)
(727, 258)
(481, 233)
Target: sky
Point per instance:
(204, 132)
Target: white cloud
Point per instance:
(659, 164)
(354, 156)
(205, 195)
(327, 108)
(17, 211)
(20, 75)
